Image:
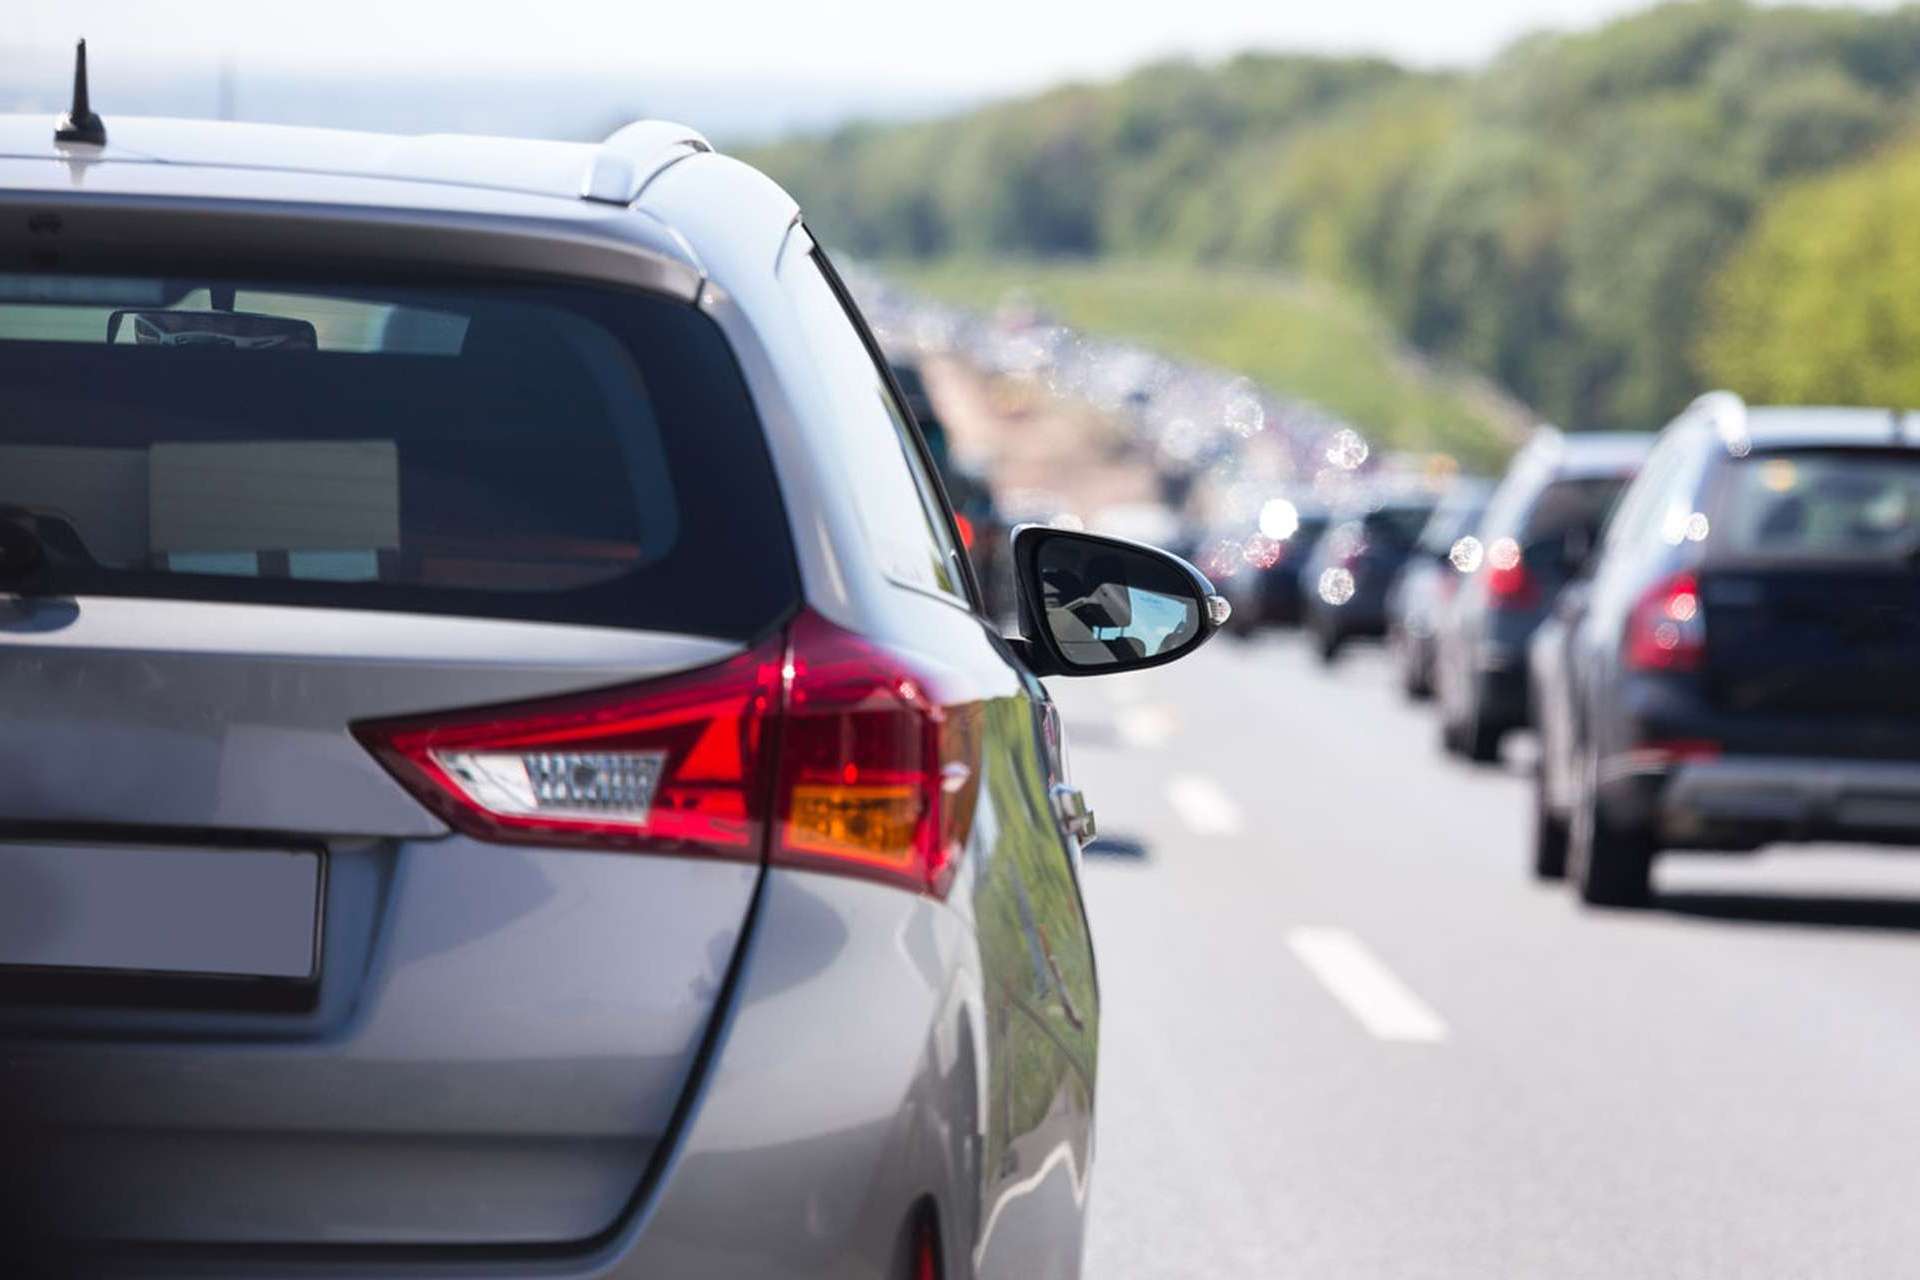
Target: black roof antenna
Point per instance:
(80, 124)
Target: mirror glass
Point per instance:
(213, 329)
(1106, 604)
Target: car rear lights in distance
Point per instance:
(818, 748)
(1667, 630)
(1509, 585)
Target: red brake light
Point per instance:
(1509, 585)
(966, 530)
(1667, 630)
(878, 776)
(875, 776)
(673, 765)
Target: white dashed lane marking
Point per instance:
(1203, 806)
(1362, 982)
(1144, 725)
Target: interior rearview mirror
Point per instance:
(1091, 605)
(214, 329)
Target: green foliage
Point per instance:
(1553, 221)
(1821, 304)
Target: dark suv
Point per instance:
(1745, 667)
(1343, 588)
(1540, 525)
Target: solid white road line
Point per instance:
(1359, 980)
(1203, 806)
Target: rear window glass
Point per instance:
(541, 453)
(1398, 525)
(1575, 505)
(1455, 517)
(1835, 504)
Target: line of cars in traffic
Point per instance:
(1714, 631)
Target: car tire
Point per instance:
(1550, 834)
(1610, 863)
(1327, 643)
(1481, 742)
(1416, 683)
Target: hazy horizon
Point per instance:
(443, 65)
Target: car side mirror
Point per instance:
(1091, 605)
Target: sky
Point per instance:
(973, 45)
(761, 66)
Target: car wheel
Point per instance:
(1611, 863)
(1415, 680)
(1327, 642)
(1549, 833)
(1479, 741)
(1482, 742)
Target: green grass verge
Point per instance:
(1303, 339)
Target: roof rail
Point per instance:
(633, 154)
(1726, 413)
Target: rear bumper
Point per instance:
(844, 1088)
(1743, 802)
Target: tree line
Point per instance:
(1606, 222)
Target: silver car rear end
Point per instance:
(498, 497)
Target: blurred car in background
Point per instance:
(1550, 698)
(983, 528)
(1344, 583)
(1264, 583)
(1540, 525)
(1428, 580)
(1744, 668)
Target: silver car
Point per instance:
(504, 768)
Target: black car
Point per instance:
(1344, 584)
(1266, 588)
(1428, 580)
(1540, 525)
(1744, 669)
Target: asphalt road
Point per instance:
(1345, 1035)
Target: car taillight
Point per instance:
(878, 776)
(1509, 585)
(965, 526)
(825, 749)
(674, 765)
(1667, 630)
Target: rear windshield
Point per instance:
(1573, 505)
(1820, 505)
(1399, 526)
(551, 453)
(1452, 520)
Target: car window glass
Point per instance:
(1646, 493)
(536, 453)
(1570, 511)
(894, 497)
(1816, 505)
(1510, 501)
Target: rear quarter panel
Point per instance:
(889, 1051)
